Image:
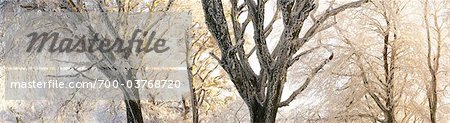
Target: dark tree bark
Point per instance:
(134, 113)
(262, 93)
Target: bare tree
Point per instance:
(193, 99)
(110, 60)
(378, 59)
(383, 92)
(202, 67)
(434, 32)
(262, 92)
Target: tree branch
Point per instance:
(317, 24)
(306, 83)
(296, 58)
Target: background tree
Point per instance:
(434, 37)
(381, 85)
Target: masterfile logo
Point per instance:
(83, 44)
(106, 55)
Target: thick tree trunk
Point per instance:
(267, 111)
(132, 100)
(272, 115)
(134, 113)
(133, 106)
(257, 113)
(274, 96)
(389, 117)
